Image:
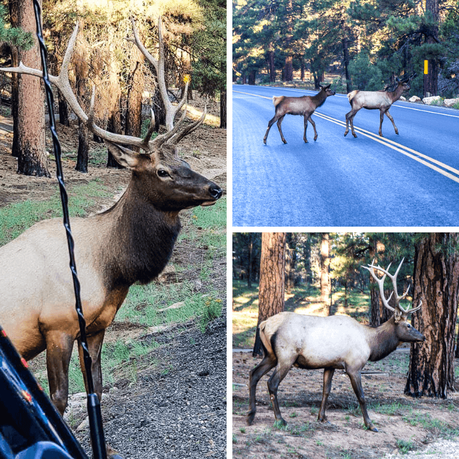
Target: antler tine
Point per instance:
(163, 138)
(189, 129)
(380, 282)
(415, 309)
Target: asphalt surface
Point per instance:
(405, 180)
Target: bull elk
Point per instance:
(335, 342)
(377, 100)
(304, 106)
(131, 242)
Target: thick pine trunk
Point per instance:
(436, 276)
(134, 108)
(325, 286)
(29, 124)
(288, 69)
(223, 122)
(272, 69)
(272, 280)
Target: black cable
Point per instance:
(94, 412)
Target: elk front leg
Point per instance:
(305, 117)
(279, 122)
(255, 375)
(381, 119)
(328, 376)
(356, 381)
(314, 127)
(94, 347)
(58, 352)
(393, 122)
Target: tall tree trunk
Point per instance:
(252, 77)
(272, 280)
(346, 63)
(29, 130)
(63, 111)
(223, 112)
(288, 69)
(272, 69)
(431, 79)
(134, 108)
(325, 287)
(436, 276)
(250, 261)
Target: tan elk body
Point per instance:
(376, 100)
(131, 242)
(331, 343)
(303, 106)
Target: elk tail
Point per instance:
(278, 100)
(265, 339)
(351, 95)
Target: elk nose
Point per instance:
(215, 191)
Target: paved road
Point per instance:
(406, 180)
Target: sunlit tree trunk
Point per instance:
(272, 280)
(29, 120)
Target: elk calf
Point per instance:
(335, 342)
(376, 100)
(304, 106)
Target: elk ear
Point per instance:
(124, 157)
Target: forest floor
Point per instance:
(406, 425)
(173, 402)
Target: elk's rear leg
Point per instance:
(350, 120)
(314, 126)
(58, 352)
(279, 374)
(270, 123)
(94, 347)
(255, 375)
(356, 381)
(328, 376)
(393, 122)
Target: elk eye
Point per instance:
(163, 173)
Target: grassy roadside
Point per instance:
(149, 307)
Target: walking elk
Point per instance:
(305, 106)
(376, 100)
(334, 342)
(131, 242)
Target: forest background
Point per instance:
(362, 44)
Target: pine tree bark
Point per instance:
(223, 111)
(325, 286)
(29, 120)
(436, 276)
(134, 97)
(272, 280)
(272, 68)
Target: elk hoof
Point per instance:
(372, 428)
(315, 137)
(250, 418)
(355, 135)
(283, 140)
(264, 141)
(281, 422)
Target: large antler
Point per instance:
(393, 278)
(173, 134)
(171, 110)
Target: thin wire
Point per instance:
(93, 402)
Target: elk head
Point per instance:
(404, 331)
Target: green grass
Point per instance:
(17, 217)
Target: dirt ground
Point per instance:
(405, 424)
(181, 412)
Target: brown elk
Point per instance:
(335, 342)
(376, 100)
(131, 242)
(305, 106)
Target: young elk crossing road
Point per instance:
(410, 179)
